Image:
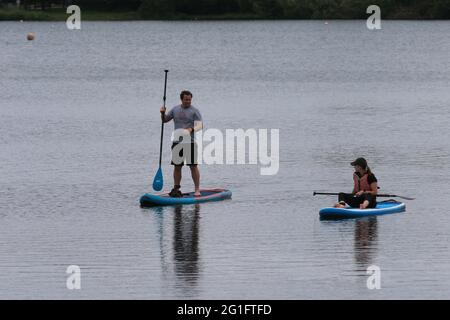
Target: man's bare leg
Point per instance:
(177, 175)
(196, 178)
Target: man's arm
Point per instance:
(165, 118)
(198, 123)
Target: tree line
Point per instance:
(270, 9)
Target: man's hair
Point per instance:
(185, 93)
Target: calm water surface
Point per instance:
(79, 141)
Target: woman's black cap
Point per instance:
(360, 162)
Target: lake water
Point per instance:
(79, 143)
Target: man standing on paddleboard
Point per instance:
(187, 120)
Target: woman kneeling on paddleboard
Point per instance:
(365, 188)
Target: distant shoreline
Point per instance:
(61, 15)
(91, 15)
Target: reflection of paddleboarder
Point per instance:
(185, 253)
(187, 119)
(185, 242)
(364, 190)
(366, 232)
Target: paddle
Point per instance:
(158, 180)
(378, 195)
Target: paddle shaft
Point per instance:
(162, 120)
(378, 195)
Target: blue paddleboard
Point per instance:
(348, 212)
(151, 200)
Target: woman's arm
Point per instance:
(373, 191)
(374, 187)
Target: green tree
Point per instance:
(157, 9)
(296, 9)
(268, 8)
(245, 6)
(441, 9)
(105, 5)
(356, 9)
(324, 9)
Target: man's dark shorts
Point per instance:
(184, 152)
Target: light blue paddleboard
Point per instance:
(348, 212)
(151, 200)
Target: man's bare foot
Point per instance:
(197, 194)
(364, 204)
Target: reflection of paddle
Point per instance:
(158, 180)
(378, 195)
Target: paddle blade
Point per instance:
(406, 198)
(158, 180)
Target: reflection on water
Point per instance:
(162, 252)
(178, 236)
(365, 241)
(185, 243)
(362, 232)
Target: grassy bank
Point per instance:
(61, 15)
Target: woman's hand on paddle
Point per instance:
(162, 110)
